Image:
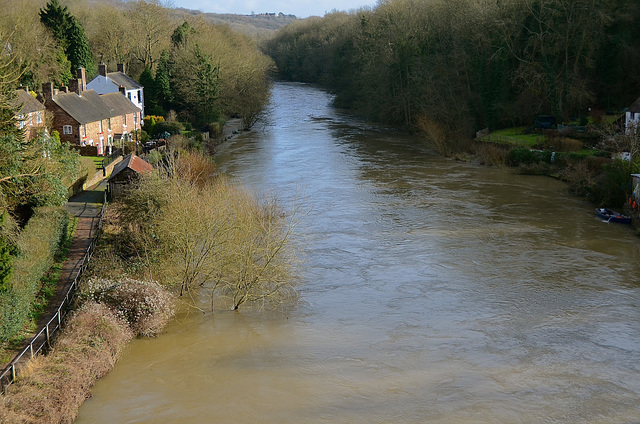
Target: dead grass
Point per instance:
(54, 386)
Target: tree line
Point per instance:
(469, 64)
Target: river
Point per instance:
(434, 291)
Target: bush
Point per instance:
(172, 127)
(145, 306)
(524, 156)
(491, 154)
(53, 387)
(36, 245)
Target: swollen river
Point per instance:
(434, 291)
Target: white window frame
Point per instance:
(39, 117)
(67, 130)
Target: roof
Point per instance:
(92, 107)
(635, 107)
(88, 107)
(134, 163)
(119, 104)
(122, 79)
(25, 103)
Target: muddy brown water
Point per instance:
(434, 291)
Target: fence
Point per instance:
(42, 340)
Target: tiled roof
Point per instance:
(88, 107)
(92, 107)
(132, 162)
(635, 107)
(119, 104)
(25, 103)
(121, 79)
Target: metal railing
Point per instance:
(42, 340)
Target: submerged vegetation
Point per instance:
(193, 230)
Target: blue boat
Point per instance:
(613, 216)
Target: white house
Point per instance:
(632, 118)
(106, 83)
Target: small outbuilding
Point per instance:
(126, 171)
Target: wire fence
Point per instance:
(42, 340)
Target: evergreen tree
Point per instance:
(164, 93)
(69, 33)
(150, 92)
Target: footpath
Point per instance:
(86, 207)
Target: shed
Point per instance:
(126, 171)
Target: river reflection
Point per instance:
(434, 291)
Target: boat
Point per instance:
(613, 216)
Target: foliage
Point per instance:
(69, 33)
(469, 64)
(35, 172)
(36, 247)
(188, 228)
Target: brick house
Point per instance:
(30, 113)
(84, 118)
(113, 82)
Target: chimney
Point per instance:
(122, 90)
(74, 86)
(82, 80)
(26, 88)
(47, 91)
(102, 69)
(121, 67)
(64, 89)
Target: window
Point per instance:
(38, 117)
(67, 129)
(21, 121)
(129, 96)
(139, 96)
(109, 124)
(124, 120)
(100, 127)
(84, 130)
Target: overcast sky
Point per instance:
(300, 8)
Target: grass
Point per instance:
(513, 136)
(97, 160)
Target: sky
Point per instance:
(300, 8)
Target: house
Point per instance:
(632, 117)
(85, 119)
(112, 82)
(126, 171)
(30, 113)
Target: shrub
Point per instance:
(491, 154)
(145, 306)
(524, 156)
(36, 245)
(53, 387)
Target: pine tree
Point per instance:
(69, 33)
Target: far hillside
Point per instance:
(255, 25)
